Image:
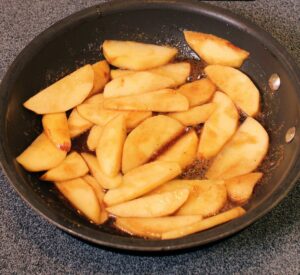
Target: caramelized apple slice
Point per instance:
(242, 154)
(101, 77)
(134, 118)
(77, 124)
(93, 137)
(119, 72)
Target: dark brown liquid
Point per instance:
(197, 69)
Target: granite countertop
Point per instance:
(30, 244)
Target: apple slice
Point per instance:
(219, 127)
(240, 188)
(41, 155)
(242, 154)
(198, 92)
(152, 206)
(134, 118)
(57, 130)
(101, 77)
(215, 50)
(154, 227)
(93, 137)
(142, 180)
(166, 100)
(81, 195)
(105, 181)
(119, 72)
(110, 146)
(204, 224)
(195, 115)
(237, 86)
(64, 94)
(136, 56)
(77, 124)
(183, 151)
(207, 197)
(73, 166)
(147, 138)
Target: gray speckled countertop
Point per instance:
(30, 244)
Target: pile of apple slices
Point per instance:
(141, 117)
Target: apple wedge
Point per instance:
(198, 92)
(240, 188)
(101, 76)
(93, 137)
(152, 206)
(194, 115)
(142, 180)
(77, 124)
(183, 151)
(57, 130)
(82, 196)
(215, 50)
(166, 100)
(237, 86)
(204, 224)
(242, 154)
(110, 146)
(41, 155)
(73, 166)
(147, 138)
(64, 94)
(134, 118)
(207, 197)
(119, 72)
(154, 227)
(136, 56)
(219, 127)
(105, 181)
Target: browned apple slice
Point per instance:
(215, 50)
(73, 166)
(119, 72)
(64, 94)
(93, 137)
(147, 138)
(198, 92)
(219, 127)
(134, 118)
(41, 155)
(154, 227)
(158, 205)
(166, 100)
(102, 72)
(81, 195)
(182, 151)
(240, 188)
(142, 180)
(204, 224)
(237, 86)
(105, 181)
(242, 154)
(77, 124)
(194, 115)
(137, 56)
(57, 130)
(110, 146)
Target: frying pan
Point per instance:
(75, 41)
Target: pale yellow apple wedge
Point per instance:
(136, 56)
(57, 130)
(240, 188)
(73, 166)
(110, 146)
(105, 181)
(152, 206)
(154, 227)
(82, 196)
(198, 92)
(166, 100)
(147, 138)
(243, 153)
(64, 94)
(93, 137)
(194, 115)
(41, 155)
(204, 224)
(219, 127)
(142, 180)
(237, 85)
(215, 50)
(119, 72)
(183, 151)
(77, 124)
(101, 76)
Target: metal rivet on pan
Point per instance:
(290, 134)
(274, 82)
